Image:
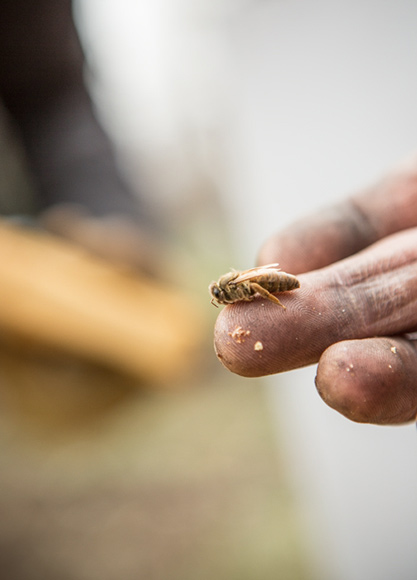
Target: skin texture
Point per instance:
(355, 311)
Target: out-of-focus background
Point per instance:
(235, 117)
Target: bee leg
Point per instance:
(266, 294)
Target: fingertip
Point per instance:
(337, 382)
(261, 338)
(268, 253)
(370, 380)
(318, 240)
(288, 249)
(236, 342)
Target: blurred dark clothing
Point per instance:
(42, 88)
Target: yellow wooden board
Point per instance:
(59, 295)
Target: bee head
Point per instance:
(216, 293)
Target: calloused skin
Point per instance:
(355, 311)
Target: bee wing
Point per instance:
(268, 266)
(274, 266)
(255, 272)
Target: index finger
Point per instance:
(370, 294)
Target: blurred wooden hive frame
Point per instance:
(60, 295)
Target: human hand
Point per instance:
(354, 312)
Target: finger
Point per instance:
(340, 231)
(319, 240)
(373, 293)
(371, 380)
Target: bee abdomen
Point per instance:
(288, 282)
(283, 282)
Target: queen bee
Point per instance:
(265, 281)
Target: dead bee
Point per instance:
(235, 286)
